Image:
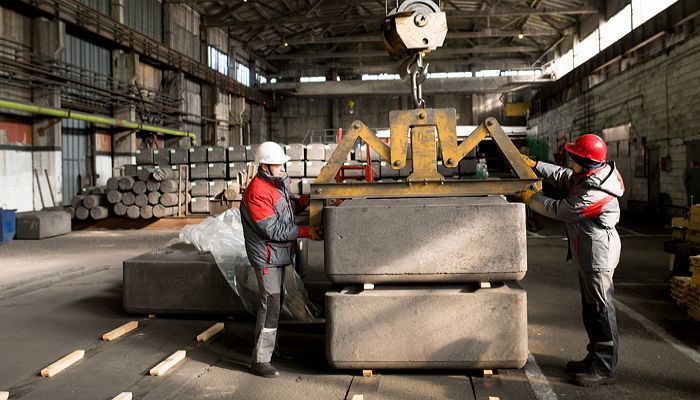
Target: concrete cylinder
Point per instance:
(133, 212)
(144, 173)
(92, 201)
(141, 200)
(168, 186)
(99, 212)
(139, 187)
(128, 198)
(126, 183)
(113, 183)
(82, 213)
(114, 196)
(154, 198)
(152, 185)
(160, 211)
(77, 201)
(147, 212)
(120, 209)
(170, 199)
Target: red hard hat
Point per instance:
(589, 146)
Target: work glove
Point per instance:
(524, 195)
(310, 232)
(529, 161)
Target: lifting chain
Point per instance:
(414, 73)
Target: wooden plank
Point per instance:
(168, 363)
(122, 330)
(4, 395)
(123, 396)
(367, 373)
(484, 285)
(364, 388)
(63, 363)
(213, 330)
(488, 386)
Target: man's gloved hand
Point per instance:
(529, 161)
(524, 195)
(313, 233)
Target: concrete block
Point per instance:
(179, 156)
(250, 152)
(233, 168)
(306, 185)
(200, 188)
(313, 168)
(144, 156)
(452, 239)
(353, 173)
(216, 187)
(316, 151)
(295, 186)
(177, 280)
(295, 151)
(200, 205)
(42, 224)
(216, 154)
(217, 170)
(199, 171)
(295, 169)
(198, 155)
(236, 154)
(330, 148)
(161, 156)
(130, 169)
(310, 256)
(439, 326)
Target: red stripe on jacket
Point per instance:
(596, 208)
(260, 197)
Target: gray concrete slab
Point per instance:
(42, 224)
(464, 239)
(423, 326)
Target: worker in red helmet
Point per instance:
(590, 211)
(267, 215)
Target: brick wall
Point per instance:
(659, 98)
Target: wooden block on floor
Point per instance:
(494, 398)
(367, 373)
(122, 330)
(168, 363)
(365, 388)
(4, 395)
(484, 285)
(368, 286)
(488, 373)
(151, 316)
(123, 396)
(213, 330)
(358, 397)
(63, 363)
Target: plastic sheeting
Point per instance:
(223, 237)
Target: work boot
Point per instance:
(264, 369)
(593, 379)
(580, 366)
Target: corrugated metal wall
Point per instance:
(74, 142)
(192, 103)
(145, 16)
(93, 58)
(100, 5)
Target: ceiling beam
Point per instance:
(448, 85)
(447, 65)
(376, 19)
(382, 53)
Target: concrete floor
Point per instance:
(58, 295)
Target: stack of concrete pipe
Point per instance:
(90, 205)
(426, 283)
(151, 193)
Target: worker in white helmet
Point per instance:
(267, 213)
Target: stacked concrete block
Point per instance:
(235, 168)
(84, 204)
(218, 170)
(216, 154)
(198, 155)
(161, 156)
(295, 151)
(200, 188)
(313, 168)
(295, 169)
(295, 186)
(430, 260)
(250, 152)
(200, 205)
(179, 156)
(316, 152)
(199, 171)
(217, 187)
(306, 185)
(43, 224)
(144, 156)
(236, 154)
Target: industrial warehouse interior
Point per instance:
(357, 200)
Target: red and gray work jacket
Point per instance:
(590, 211)
(267, 214)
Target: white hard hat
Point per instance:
(271, 153)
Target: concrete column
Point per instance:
(117, 10)
(174, 86)
(48, 42)
(124, 71)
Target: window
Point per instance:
(564, 64)
(380, 77)
(306, 79)
(243, 74)
(218, 60)
(643, 10)
(488, 73)
(260, 79)
(586, 48)
(616, 27)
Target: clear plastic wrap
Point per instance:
(223, 237)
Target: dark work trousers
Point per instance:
(598, 309)
(270, 281)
